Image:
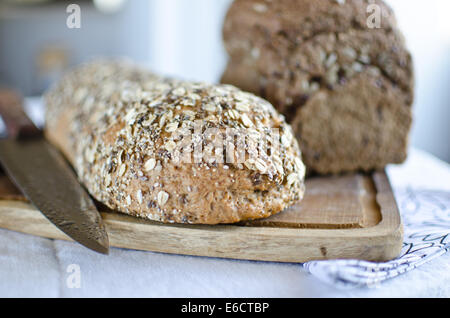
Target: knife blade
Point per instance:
(45, 178)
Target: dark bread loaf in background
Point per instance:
(346, 89)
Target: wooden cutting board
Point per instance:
(350, 216)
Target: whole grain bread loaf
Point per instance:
(118, 125)
(345, 85)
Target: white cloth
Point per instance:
(38, 267)
(426, 221)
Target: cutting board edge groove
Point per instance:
(380, 242)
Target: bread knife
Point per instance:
(40, 171)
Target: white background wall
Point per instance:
(426, 25)
(186, 41)
(186, 38)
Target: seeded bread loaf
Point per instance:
(117, 124)
(345, 88)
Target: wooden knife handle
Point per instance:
(17, 123)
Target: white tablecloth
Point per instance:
(37, 267)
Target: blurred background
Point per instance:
(183, 38)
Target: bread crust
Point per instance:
(115, 123)
(318, 59)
